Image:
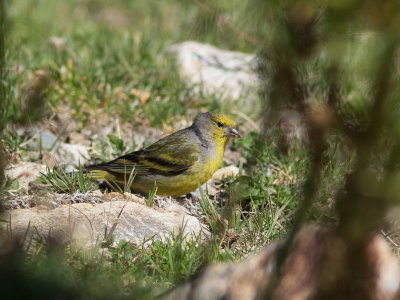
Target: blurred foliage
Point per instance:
(3, 95)
(335, 64)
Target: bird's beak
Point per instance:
(233, 132)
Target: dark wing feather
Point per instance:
(169, 156)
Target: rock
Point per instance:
(301, 273)
(208, 189)
(170, 205)
(25, 172)
(42, 139)
(229, 171)
(214, 71)
(40, 188)
(49, 199)
(125, 196)
(58, 42)
(58, 151)
(210, 186)
(86, 223)
(70, 154)
(386, 267)
(70, 169)
(97, 193)
(79, 138)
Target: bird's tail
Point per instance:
(98, 171)
(98, 174)
(103, 173)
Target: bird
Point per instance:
(175, 164)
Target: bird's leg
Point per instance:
(189, 196)
(192, 197)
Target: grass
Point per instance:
(67, 182)
(104, 64)
(95, 66)
(150, 197)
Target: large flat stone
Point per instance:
(88, 223)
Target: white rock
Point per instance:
(71, 154)
(229, 171)
(215, 71)
(25, 172)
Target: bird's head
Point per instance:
(217, 126)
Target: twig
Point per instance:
(389, 239)
(115, 222)
(90, 222)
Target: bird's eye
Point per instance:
(220, 124)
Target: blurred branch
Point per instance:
(360, 212)
(285, 91)
(2, 91)
(365, 199)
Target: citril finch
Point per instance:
(176, 163)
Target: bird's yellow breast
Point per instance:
(211, 165)
(187, 182)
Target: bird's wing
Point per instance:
(166, 157)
